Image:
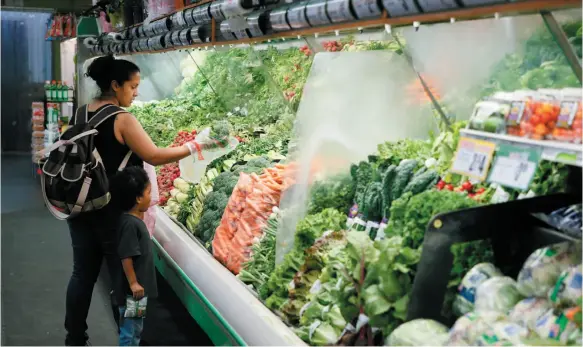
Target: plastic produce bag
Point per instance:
(150, 215)
(567, 290)
(498, 294)
(470, 326)
(557, 327)
(544, 266)
(502, 334)
(192, 169)
(419, 332)
(136, 308)
(245, 216)
(528, 311)
(464, 301)
(341, 85)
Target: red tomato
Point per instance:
(535, 119)
(449, 187)
(480, 190)
(546, 117)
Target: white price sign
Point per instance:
(473, 158)
(514, 166)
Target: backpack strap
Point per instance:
(80, 111)
(125, 161)
(104, 114)
(78, 204)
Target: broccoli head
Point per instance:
(260, 162)
(209, 221)
(215, 201)
(225, 182)
(220, 129)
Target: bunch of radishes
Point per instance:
(306, 50)
(183, 137)
(332, 46)
(169, 172)
(166, 176)
(466, 186)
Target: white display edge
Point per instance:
(248, 317)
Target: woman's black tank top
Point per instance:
(111, 151)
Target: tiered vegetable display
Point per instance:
(338, 284)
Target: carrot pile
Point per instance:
(246, 214)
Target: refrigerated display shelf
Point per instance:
(503, 9)
(221, 304)
(560, 152)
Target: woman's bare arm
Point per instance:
(135, 137)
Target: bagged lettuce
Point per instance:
(466, 297)
(557, 327)
(544, 266)
(498, 294)
(418, 332)
(502, 333)
(567, 290)
(472, 325)
(528, 311)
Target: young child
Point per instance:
(131, 192)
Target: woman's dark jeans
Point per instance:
(93, 237)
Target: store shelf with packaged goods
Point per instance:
(458, 14)
(224, 307)
(560, 152)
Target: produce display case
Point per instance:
(312, 100)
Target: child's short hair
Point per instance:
(128, 185)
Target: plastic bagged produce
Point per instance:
(498, 294)
(465, 299)
(528, 311)
(246, 214)
(557, 327)
(543, 267)
(150, 214)
(502, 333)
(567, 290)
(419, 332)
(470, 326)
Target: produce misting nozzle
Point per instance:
(452, 20)
(337, 32)
(388, 28)
(360, 29)
(497, 15)
(316, 35)
(416, 25)
(299, 37)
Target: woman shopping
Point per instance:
(120, 141)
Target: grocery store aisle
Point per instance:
(36, 265)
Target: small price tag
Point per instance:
(473, 158)
(516, 112)
(514, 166)
(567, 114)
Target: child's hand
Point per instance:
(137, 291)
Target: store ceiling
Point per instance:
(58, 5)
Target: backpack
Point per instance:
(73, 178)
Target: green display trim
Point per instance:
(201, 310)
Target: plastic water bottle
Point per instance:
(48, 90)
